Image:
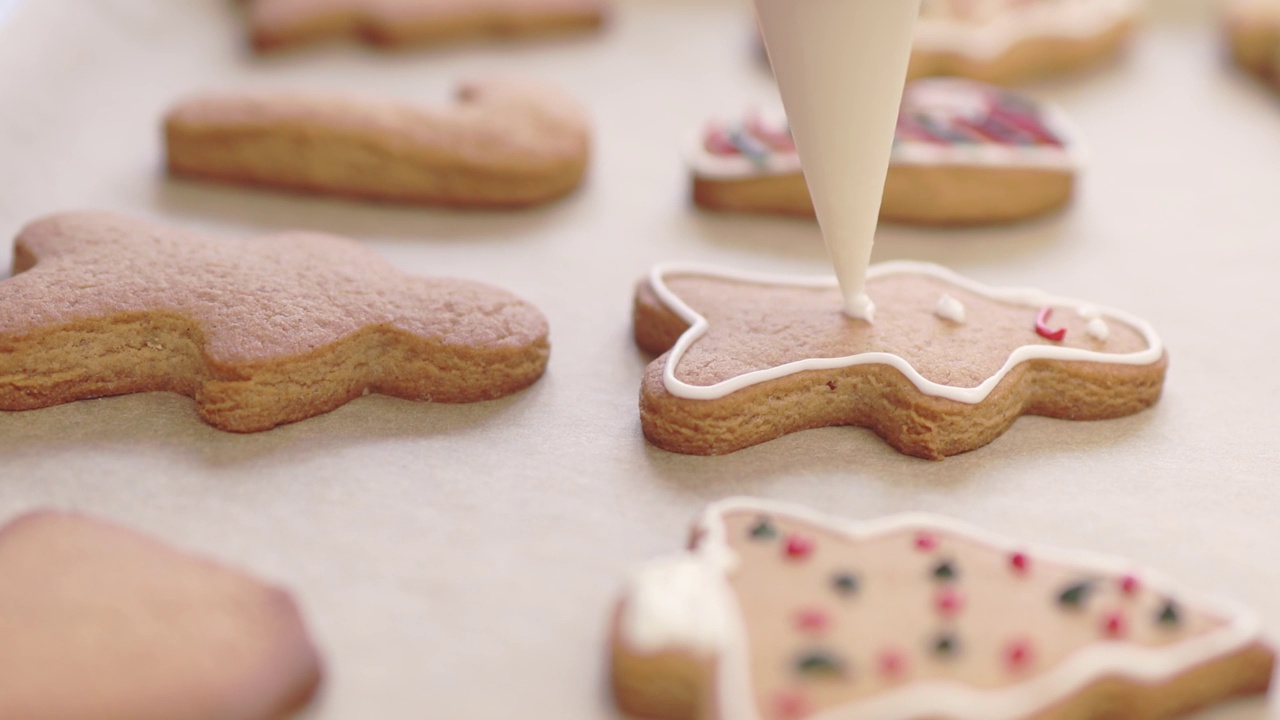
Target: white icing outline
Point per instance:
(949, 698)
(1071, 157)
(987, 40)
(1028, 297)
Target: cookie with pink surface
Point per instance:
(779, 613)
(280, 24)
(946, 366)
(1253, 33)
(1012, 41)
(103, 623)
(964, 153)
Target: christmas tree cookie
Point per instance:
(778, 613)
(965, 153)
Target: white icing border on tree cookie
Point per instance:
(951, 699)
(1071, 157)
(988, 40)
(1027, 297)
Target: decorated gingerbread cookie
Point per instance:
(947, 365)
(1253, 31)
(505, 144)
(260, 332)
(779, 613)
(965, 153)
(280, 24)
(101, 623)
(1011, 41)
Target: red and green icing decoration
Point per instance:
(1006, 119)
(821, 663)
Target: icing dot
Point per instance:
(949, 308)
(845, 583)
(945, 571)
(949, 601)
(1020, 563)
(763, 530)
(1097, 329)
(1074, 596)
(1089, 312)
(820, 664)
(892, 664)
(1169, 616)
(926, 542)
(798, 547)
(813, 620)
(946, 645)
(1129, 585)
(1018, 655)
(1113, 625)
(790, 705)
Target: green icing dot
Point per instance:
(946, 645)
(845, 583)
(820, 664)
(1169, 615)
(763, 530)
(1075, 595)
(945, 570)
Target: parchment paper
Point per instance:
(460, 561)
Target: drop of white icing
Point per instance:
(860, 307)
(677, 603)
(1097, 329)
(949, 308)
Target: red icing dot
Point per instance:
(798, 547)
(813, 620)
(1020, 563)
(926, 542)
(949, 601)
(1114, 625)
(1018, 654)
(892, 664)
(790, 705)
(1129, 585)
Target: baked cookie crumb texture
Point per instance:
(259, 332)
(947, 366)
(964, 153)
(779, 613)
(101, 623)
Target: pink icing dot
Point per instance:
(717, 141)
(1018, 655)
(892, 664)
(813, 620)
(926, 542)
(949, 601)
(798, 547)
(790, 705)
(1129, 585)
(1114, 625)
(1020, 563)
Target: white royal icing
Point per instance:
(678, 602)
(949, 308)
(1097, 329)
(941, 97)
(953, 700)
(998, 25)
(1026, 297)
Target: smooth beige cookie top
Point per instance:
(276, 13)
(911, 616)
(498, 124)
(255, 300)
(101, 623)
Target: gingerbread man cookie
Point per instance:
(1253, 31)
(965, 153)
(259, 332)
(279, 24)
(1011, 41)
(779, 613)
(505, 144)
(947, 366)
(101, 623)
